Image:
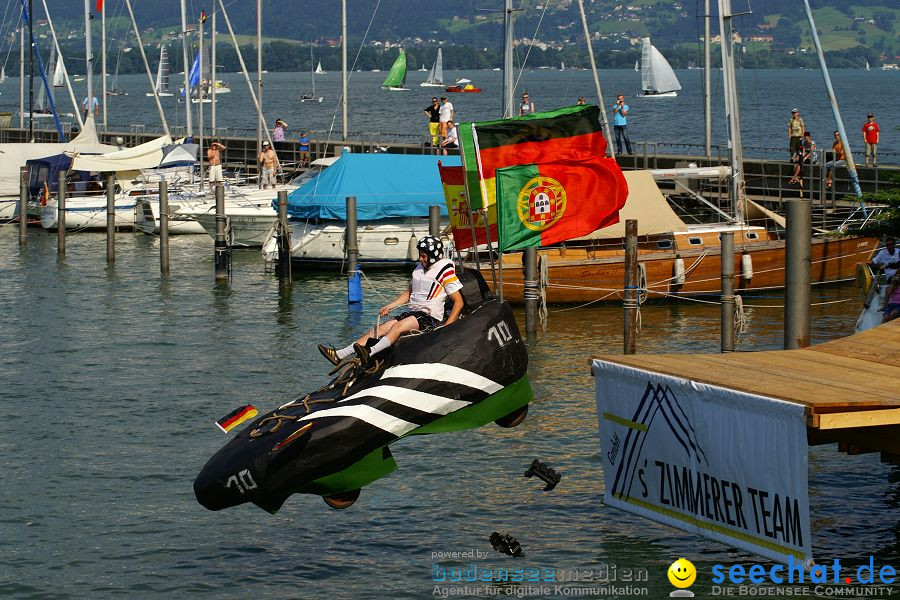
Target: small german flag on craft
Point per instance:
(236, 417)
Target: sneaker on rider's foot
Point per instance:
(363, 353)
(330, 353)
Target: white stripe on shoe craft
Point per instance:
(422, 401)
(370, 415)
(443, 372)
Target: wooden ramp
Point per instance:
(850, 387)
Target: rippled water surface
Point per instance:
(112, 378)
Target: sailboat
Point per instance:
(637, 66)
(867, 66)
(658, 80)
(562, 66)
(319, 70)
(396, 79)
(311, 97)
(41, 106)
(59, 72)
(436, 75)
(116, 90)
(162, 74)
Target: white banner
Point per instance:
(722, 464)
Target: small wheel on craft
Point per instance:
(342, 500)
(514, 418)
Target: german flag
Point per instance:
(570, 134)
(236, 417)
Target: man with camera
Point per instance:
(620, 123)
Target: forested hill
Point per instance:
(774, 34)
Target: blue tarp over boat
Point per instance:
(385, 185)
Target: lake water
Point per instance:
(767, 97)
(112, 378)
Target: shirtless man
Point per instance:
(269, 161)
(214, 156)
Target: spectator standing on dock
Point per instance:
(796, 129)
(278, 132)
(433, 112)
(304, 149)
(527, 106)
(447, 114)
(871, 135)
(887, 258)
(620, 124)
(581, 101)
(269, 162)
(214, 156)
(837, 160)
(94, 106)
(804, 156)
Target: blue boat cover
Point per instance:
(385, 185)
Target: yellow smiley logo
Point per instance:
(682, 573)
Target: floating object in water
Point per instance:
(543, 472)
(506, 544)
(334, 441)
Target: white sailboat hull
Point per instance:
(659, 95)
(89, 213)
(425, 84)
(146, 215)
(249, 225)
(382, 244)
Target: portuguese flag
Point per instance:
(567, 134)
(550, 202)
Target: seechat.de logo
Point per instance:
(682, 574)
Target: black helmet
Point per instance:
(431, 246)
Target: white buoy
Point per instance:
(412, 253)
(678, 270)
(746, 266)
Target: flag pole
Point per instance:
(462, 156)
(496, 275)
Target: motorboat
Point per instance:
(464, 86)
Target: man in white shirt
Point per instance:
(888, 258)
(451, 142)
(433, 280)
(447, 115)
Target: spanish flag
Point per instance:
(453, 180)
(236, 417)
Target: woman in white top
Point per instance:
(433, 280)
(527, 106)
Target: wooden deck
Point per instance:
(850, 387)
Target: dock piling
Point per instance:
(222, 251)
(164, 227)
(434, 221)
(284, 240)
(727, 291)
(23, 206)
(531, 292)
(630, 297)
(61, 214)
(110, 217)
(354, 285)
(797, 274)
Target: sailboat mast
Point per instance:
(21, 76)
(200, 97)
(212, 71)
(259, 124)
(508, 85)
(590, 49)
(732, 110)
(344, 120)
(75, 107)
(187, 83)
(103, 59)
(88, 57)
(30, 73)
(707, 107)
(140, 45)
(848, 155)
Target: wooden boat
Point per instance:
(592, 268)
